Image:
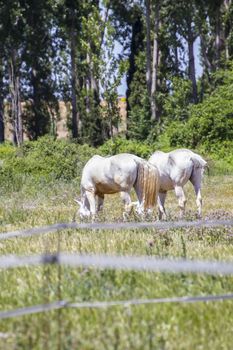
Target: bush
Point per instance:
(6, 151)
(44, 160)
(175, 104)
(121, 145)
(210, 122)
(222, 157)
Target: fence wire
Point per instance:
(33, 309)
(136, 263)
(62, 304)
(140, 263)
(160, 225)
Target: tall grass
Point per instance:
(166, 326)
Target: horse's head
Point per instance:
(84, 209)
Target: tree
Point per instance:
(148, 46)
(2, 95)
(16, 107)
(12, 44)
(209, 123)
(186, 14)
(155, 63)
(92, 121)
(39, 51)
(71, 24)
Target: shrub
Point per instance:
(6, 150)
(44, 160)
(210, 122)
(121, 145)
(175, 104)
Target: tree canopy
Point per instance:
(65, 50)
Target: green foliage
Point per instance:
(152, 326)
(121, 145)
(6, 151)
(210, 123)
(139, 117)
(92, 132)
(45, 160)
(221, 157)
(45, 43)
(175, 104)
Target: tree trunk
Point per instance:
(228, 28)
(15, 100)
(88, 86)
(206, 61)
(154, 108)
(217, 37)
(94, 84)
(104, 24)
(2, 138)
(2, 129)
(137, 28)
(75, 113)
(148, 47)
(191, 65)
(175, 49)
(96, 50)
(37, 127)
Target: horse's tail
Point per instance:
(199, 162)
(147, 184)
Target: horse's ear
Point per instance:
(78, 201)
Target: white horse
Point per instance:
(175, 169)
(119, 173)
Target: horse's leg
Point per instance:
(161, 201)
(91, 199)
(140, 203)
(125, 196)
(100, 202)
(181, 199)
(196, 181)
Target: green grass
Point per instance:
(162, 326)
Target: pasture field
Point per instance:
(200, 325)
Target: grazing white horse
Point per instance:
(119, 173)
(175, 169)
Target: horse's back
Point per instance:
(110, 174)
(92, 167)
(181, 159)
(123, 161)
(160, 160)
(175, 167)
(181, 166)
(185, 157)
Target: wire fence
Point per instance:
(62, 304)
(159, 225)
(134, 263)
(126, 263)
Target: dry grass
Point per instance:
(167, 326)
